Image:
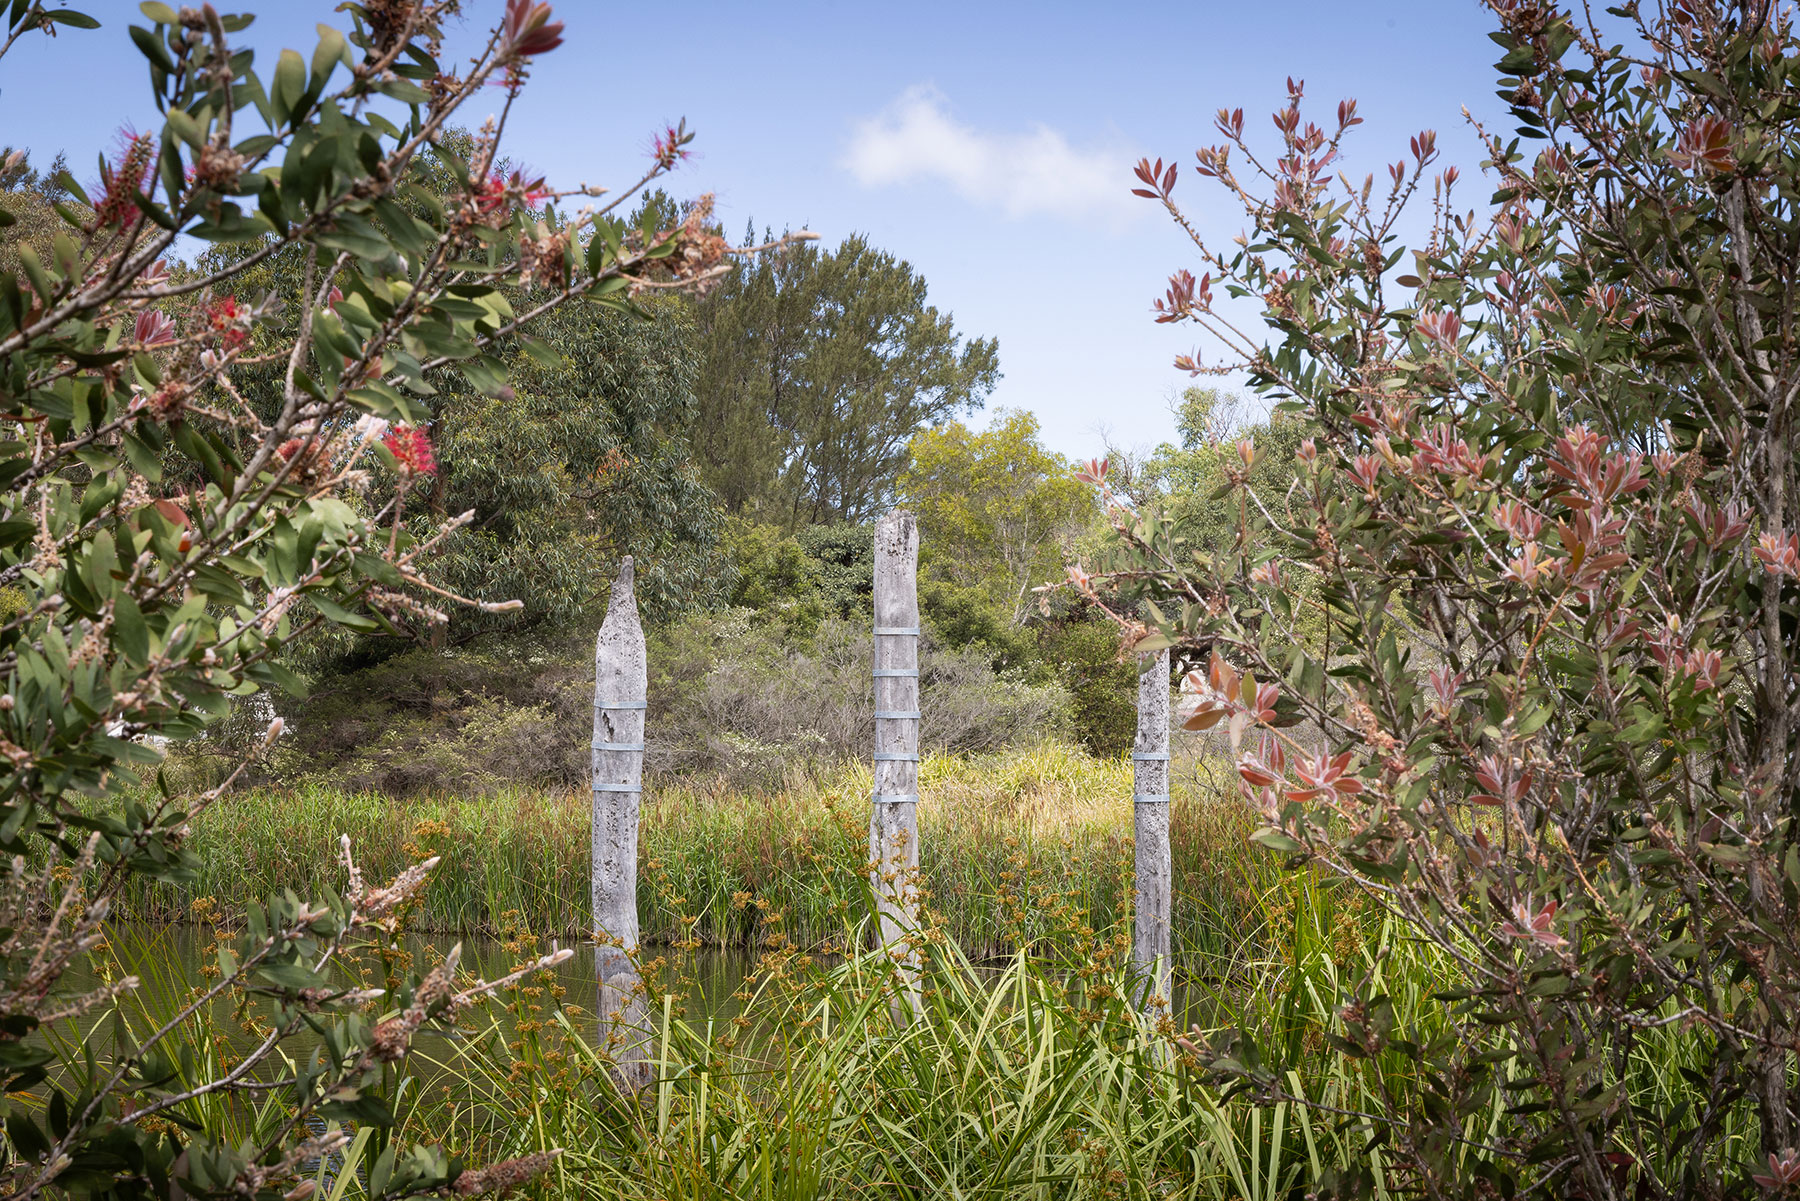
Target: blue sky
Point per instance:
(988, 143)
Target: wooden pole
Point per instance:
(1150, 797)
(621, 681)
(894, 820)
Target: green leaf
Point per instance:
(339, 615)
(162, 14)
(64, 16)
(1275, 840)
(186, 128)
(330, 50)
(289, 85)
(353, 235)
(131, 635)
(152, 48)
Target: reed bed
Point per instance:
(1010, 841)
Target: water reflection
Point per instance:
(171, 961)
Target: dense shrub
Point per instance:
(729, 693)
(734, 697)
(843, 557)
(1546, 510)
(1100, 681)
(196, 476)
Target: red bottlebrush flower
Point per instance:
(308, 456)
(230, 321)
(168, 401)
(123, 179)
(528, 29)
(496, 196)
(152, 328)
(411, 450)
(670, 146)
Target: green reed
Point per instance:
(1009, 841)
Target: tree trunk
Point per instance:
(894, 820)
(1150, 788)
(620, 687)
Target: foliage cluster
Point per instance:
(1544, 509)
(181, 499)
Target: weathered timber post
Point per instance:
(1150, 803)
(894, 820)
(620, 688)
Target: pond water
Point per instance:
(171, 960)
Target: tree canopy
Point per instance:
(817, 367)
(1001, 510)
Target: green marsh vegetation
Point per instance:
(1009, 836)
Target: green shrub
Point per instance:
(731, 695)
(1102, 685)
(843, 558)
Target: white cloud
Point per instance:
(1022, 174)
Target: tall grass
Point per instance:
(1011, 843)
(1035, 1079)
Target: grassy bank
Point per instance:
(1014, 846)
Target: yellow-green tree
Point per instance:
(998, 508)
